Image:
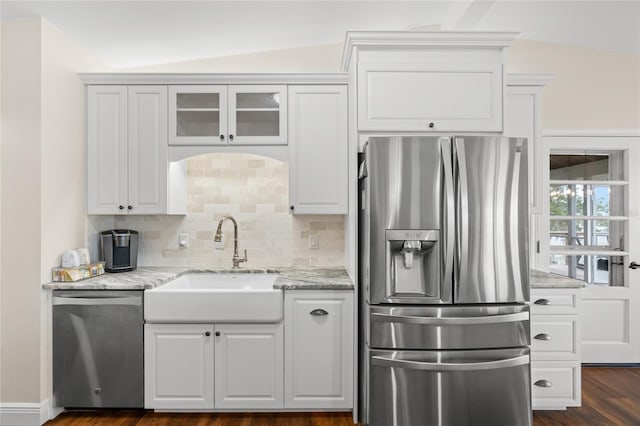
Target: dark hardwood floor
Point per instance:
(610, 396)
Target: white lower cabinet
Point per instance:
(304, 364)
(248, 366)
(185, 362)
(555, 349)
(318, 349)
(178, 366)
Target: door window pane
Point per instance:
(593, 269)
(589, 185)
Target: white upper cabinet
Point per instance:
(148, 151)
(107, 149)
(127, 154)
(522, 119)
(318, 149)
(198, 115)
(429, 97)
(227, 114)
(428, 81)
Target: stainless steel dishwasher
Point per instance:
(98, 350)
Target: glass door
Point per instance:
(257, 115)
(197, 115)
(592, 237)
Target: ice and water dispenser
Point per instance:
(413, 263)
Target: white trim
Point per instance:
(528, 79)
(386, 39)
(561, 133)
(208, 78)
(27, 413)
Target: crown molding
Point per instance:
(516, 79)
(210, 78)
(413, 39)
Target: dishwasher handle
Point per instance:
(89, 301)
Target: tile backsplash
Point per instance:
(254, 190)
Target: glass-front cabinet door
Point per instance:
(197, 115)
(257, 115)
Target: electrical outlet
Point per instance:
(314, 241)
(183, 240)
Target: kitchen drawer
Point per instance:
(555, 384)
(554, 337)
(562, 301)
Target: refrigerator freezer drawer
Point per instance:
(471, 327)
(483, 387)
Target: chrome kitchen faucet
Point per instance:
(218, 238)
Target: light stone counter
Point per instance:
(147, 277)
(539, 279)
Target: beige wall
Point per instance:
(43, 187)
(323, 58)
(20, 266)
(592, 88)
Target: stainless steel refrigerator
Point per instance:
(444, 279)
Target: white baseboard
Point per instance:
(26, 413)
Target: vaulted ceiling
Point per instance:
(137, 33)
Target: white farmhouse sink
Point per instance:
(215, 297)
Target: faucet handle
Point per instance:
(245, 256)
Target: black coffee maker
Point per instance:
(119, 249)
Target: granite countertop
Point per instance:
(148, 277)
(539, 279)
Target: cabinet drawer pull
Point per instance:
(207, 333)
(543, 383)
(542, 302)
(542, 336)
(318, 313)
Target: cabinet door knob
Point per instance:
(207, 333)
(230, 137)
(129, 207)
(431, 125)
(121, 207)
(543, 383)
(542, 336)
(318, 313)
(221, 137)
(217, 333)
(291, 208)
(542, 302)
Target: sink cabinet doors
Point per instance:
(178, 366)
(227, 115)
(202, 366)
(248, 366)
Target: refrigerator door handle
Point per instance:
(486, 319)
(448, 239)
(462, 209)
(437, 366)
